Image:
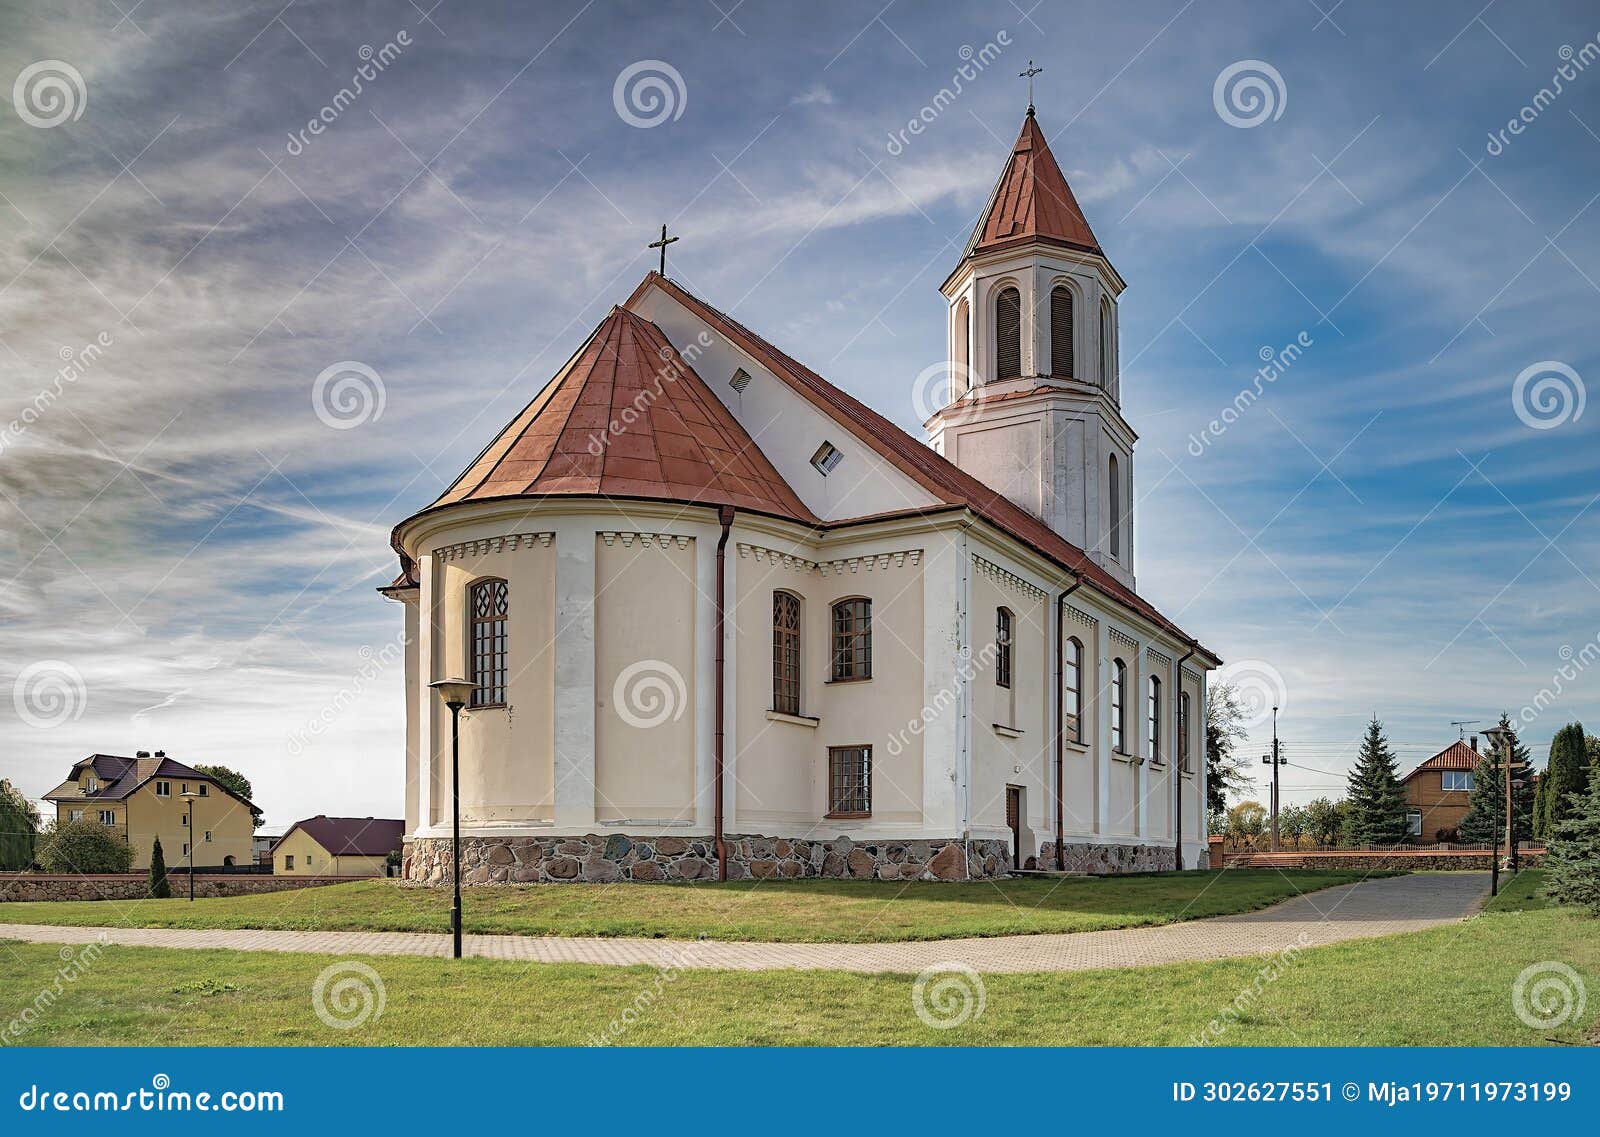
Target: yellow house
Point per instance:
(141, 798)
(337, 846)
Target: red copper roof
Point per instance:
(628, 417)
(1457, 756)
(936, 474)
(1032, 201)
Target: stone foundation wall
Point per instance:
(1108, 860)
(1398, 859)
(542, 860)
(135, 886)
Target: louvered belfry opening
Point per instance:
(1008, 334)
(1061, 332)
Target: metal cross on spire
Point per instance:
(1028, 75)
(662, 245)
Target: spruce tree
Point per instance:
(158, 889)
(1377, 800)
(1486, 807)
(1543, 784)
(1566, 774)
(1572, 868)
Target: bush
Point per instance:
(1447, 836)
(159, 889)
(83, 847)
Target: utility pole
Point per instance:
(1275, 760)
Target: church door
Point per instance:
(1014, 823)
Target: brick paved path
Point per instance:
(1349, 912)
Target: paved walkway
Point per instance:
(1349, 912)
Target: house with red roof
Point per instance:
(721, 619)
(337, 846)
(1437, 792)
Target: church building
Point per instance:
(724, 621)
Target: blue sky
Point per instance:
(189, 550)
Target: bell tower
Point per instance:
(1035, 392)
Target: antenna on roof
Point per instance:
(1461, 726)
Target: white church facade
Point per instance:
(725, 621)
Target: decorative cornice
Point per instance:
(508, 543)
(1123, 638)
(1007, 579)
(1162, 659)
(1197, 676)
(1082, 617)
(646, 540)
(838, 567)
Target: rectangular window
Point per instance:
(186, 848)
(1183, 731)
(163, 789)
(489, 604)
(185, 787)
(786, 653)
(852, 639)
(1119, 706)
(208, 836)
(1458, 780)
(107, 817)
(849, 781)
(308, 860)
(1414, 822)
(205, 790)
(288, 860)
(1002, 647)
(76, 814)
(1072, 690)
(1155, 720)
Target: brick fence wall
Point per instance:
(20, 886)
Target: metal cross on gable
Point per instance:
(662, 245)
(1028, 75)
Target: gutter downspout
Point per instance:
(1177, 763)
(1061, 609)
(725, 516)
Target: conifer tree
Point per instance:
(1377, 800)
(1486, 807)
(158, 888)
(1566, 775)
(1572, 869)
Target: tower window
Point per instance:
(1114, 480)
(1061, 332)
(826, 458)
(961, 381)
(1107, 357)
(1008, 334)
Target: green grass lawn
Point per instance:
(1447, 986)
(821, 911)
(1521, 893)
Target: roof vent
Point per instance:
(740, 380)
(826, 458)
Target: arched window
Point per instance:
(1061, 332)
(961, 380)
(487, 603)
(1183, 730)
(1155, 718)
(1119, 706)
(1107, 352)
(786, 653)
(1072, 689)
(1114, 482)
(1002, 647)
(852, 639)
(1008, 334)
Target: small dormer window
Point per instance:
(827, 457)
(92, 784)
(740, 380)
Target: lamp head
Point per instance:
(454, 692)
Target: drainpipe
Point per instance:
(725, 516)
(1061, 614)
(1177, 765)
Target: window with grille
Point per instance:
(1002, 647)
(1008, 334)
(1119, 706)
(1183, 730)
(786, 653)
(487, 600)
(1155, 718)
(852, 639)
(108, 817)
(1061, 331)
(1072, 689)
(849, 781)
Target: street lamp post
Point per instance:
(1503, 738)
(455, 693)
(189, 796)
